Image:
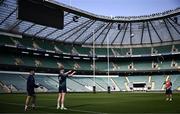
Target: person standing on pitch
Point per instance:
(168, 85)
(62, 87)
(30, 90)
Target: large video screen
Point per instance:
(37, 11)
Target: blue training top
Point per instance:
(31, 83)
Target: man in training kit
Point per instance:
(30, 91)
(62, 87)
(168, 85)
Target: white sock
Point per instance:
(62, 105)
(58, 104)
(26, 106)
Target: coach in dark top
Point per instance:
(62, 87)
(30, 90)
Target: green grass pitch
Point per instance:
(94, 103)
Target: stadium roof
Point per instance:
(80, 27)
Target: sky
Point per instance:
(123, 7)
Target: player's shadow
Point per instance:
(82, 105)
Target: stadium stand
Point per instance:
(17, 81)
(86, 82)
(163, 49)
(138, 78)
(176, 82)
(47, 82)
(158, 80)
(120, 81)
(141, 51)
(76, 86)
(85, 65)
(42, 44)
(82, 50)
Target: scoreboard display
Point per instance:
(40, 12)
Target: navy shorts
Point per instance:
(30, 93)
(62, 89)
(168, 91)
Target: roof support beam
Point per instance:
(106, 33)
(71, 30)
(8, 16)
(117, 35)
(101, 32)
(174, 27)
(95, 31)
(83, 32)
(28, 28)
(155, 31)
(15, 25)
(40, 31)
(131, 33)
(124, 33)
(174, 22)
(57, 29)
(142, 33)
(168, 30)
(77, 31)
(149, 32)
(50, 33)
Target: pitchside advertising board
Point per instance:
(40, 12)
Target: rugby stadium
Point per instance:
(121, 63)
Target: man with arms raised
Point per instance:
(62, 87)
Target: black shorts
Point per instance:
(62, 89)
(168, 91)
(30, 93)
